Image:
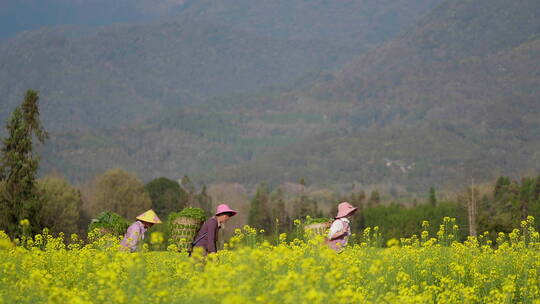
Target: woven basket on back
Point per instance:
(105, 231)
(183, 231)
(318, 228)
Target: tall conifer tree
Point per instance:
(19, 164)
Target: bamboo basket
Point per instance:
(105, 231)
(317, 228)
(183, 232)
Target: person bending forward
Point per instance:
(207, 236)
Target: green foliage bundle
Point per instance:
(190, 212)
(309, 220)
(182, 234)
(111, 222)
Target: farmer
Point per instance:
(207, 237)
(135, 232)
(341, 228)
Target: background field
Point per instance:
(422, 269)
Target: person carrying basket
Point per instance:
(206, 238)
(340, 230)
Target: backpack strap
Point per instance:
(198, 239)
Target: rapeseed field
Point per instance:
(420, 269)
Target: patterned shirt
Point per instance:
(134, 234)
(337, 225)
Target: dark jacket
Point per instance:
(207, 236)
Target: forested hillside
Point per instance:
(119, 74)
(457, 96)
(355, 22)
(452, 97)
(105, 77)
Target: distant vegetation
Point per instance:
(449, 98)
(101, 87)
(29, 205)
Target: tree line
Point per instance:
(500, 207)
(52, 202)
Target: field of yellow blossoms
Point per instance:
(421, 269)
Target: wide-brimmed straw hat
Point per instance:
(224, 208)
(149, 216)
(345, 209)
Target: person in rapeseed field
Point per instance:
(341, 227)
(135, 232)
(206, 238)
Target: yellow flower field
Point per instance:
(416, 270)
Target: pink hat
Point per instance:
(223, 208)
(345, 209)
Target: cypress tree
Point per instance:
(18, 167)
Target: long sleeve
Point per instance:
(134, 234)
(212, 236)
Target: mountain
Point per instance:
(21, 15)
(108, 76)
(351, 22)
(121, 74)
(452, 97)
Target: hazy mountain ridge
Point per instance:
(396, 74)
(488, 102)
(17, 15)
(478, 115)
(352, 22)
(417, 111)
(124, 73)
(444, 145)
(105, 77)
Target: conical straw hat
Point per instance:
(150, 217)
